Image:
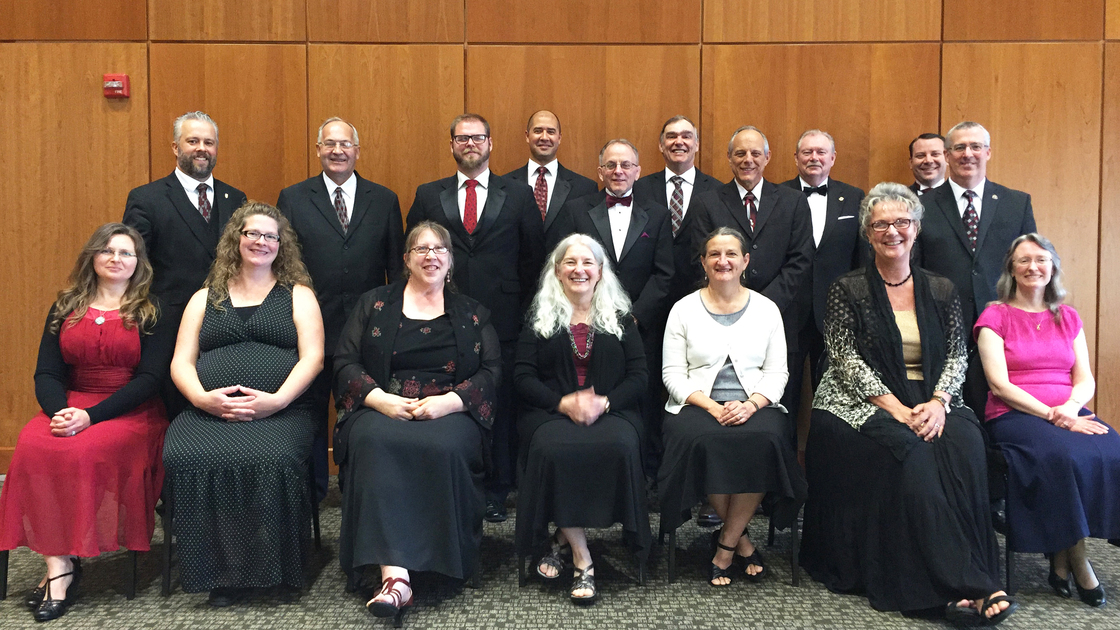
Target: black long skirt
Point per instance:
(412, 494)
(582, 476)
(703, 457)
(910, 535)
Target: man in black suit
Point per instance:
(775, 221)
(674, 187)
(927, 161)
(968, 225)
(497, 239)
(638, 238)
(180, 218)
(542, 134)
(352, 239)
(834, 208)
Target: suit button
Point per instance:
(754, 272)
(755, 246)
(975, 272)
(345, 247)
(345, 271)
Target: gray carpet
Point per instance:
(499, 603)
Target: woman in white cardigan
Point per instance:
(726, 436)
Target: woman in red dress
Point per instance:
(86, 471)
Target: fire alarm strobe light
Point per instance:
(116, 85)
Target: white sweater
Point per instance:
(696, 346)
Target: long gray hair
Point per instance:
(551, 310)
(1054, 294)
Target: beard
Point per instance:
(471, 161)
(187, 165)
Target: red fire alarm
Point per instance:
(116, 85)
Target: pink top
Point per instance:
(579, 333)
(1039, 352)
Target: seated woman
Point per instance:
(580, 373)
(86, 473)
(1064, 462)
(415, 373)
(898, 487)
(250, 343)
(726, 437)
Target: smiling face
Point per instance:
(815, 157)
(472, 157)
(429, 267)
(113, 264)
(196, 152)
(968, 166)
(679, 145)
(1032, 267)
(259, 252)
(748, 158)
(723, 260)
(579, 273)
(928, 161)
(893, 243)
(543, 137)
(338, 162)
(613, 172)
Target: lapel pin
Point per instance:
(840, 199)
(995, 196)
(226, 195)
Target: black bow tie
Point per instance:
(821, 190)
(616, 201)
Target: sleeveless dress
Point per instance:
(241, 496)
(94, 492)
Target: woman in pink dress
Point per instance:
(1064, 463)
(86, 472)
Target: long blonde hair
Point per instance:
(288, 266)
(551, 311)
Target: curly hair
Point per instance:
(136, 308)
(551, 311)
(288, 267)
(889, 192)
(1055, 293)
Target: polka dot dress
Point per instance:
(242, 510)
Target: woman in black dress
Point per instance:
(580, 372)
(415, 371)
(898, 487)
(250, 343)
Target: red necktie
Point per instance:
(971, 221)
(340, 208)
(203, 202)
(470, 208)
(752, 212)
(613, 201)
(540, 192)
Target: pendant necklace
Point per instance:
(100, 319)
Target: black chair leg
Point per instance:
(475, 581)
(672, 556)
(168, 535)
(794, 551)
(4, 574)
(130, 579)
(1010, 590)
(313, 488)
(641, 571)
(770, 539)
(522, 573)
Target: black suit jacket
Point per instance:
(781, 246)
(180, 242)
(686, 261)
(645, 265)
(943, 248)
(840, 249)
(343, 266)
(569, 185)
(499, 263)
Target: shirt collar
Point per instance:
(552, 167)
(349, 187)
(757, 190)
(190, 184)
(805, 184)
(688, 176)
(958, 190)
(483, 179)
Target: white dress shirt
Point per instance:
(549, 178)
(962, 203)
(479, 192)
(689, 178)
(922, 188)
(190, 185)
(818, 207)
(349, 190)
(757, 190)
(619, 216)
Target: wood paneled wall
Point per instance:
(1042, 75)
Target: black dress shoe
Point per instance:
(495, 511)
(51, 608)
(34, 597)
(222, 597)
(1092, 596)
(1059, 584)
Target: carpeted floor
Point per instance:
(499, 603)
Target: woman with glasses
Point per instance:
(898, 487)
(85, 474)
(250, 343)
(1064, 462)
(415, 371)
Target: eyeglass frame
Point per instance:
(463, 139)
(416, 250)
(270, 238)
(109, 252)
(883, 226)
(330, 145)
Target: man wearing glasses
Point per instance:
(969, 223)
(350, 232)
(497, 237)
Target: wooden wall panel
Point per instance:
(71, 157)
(256, 93)
(821, 20)
(1046, 129)
(968, 20)
(583, 88)
(584, 21)
(385, 20)
(872, 98)
(74, 19)
(1108, 347)
(401, 99)
(228, 20)
(1112, 19)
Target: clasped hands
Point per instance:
(401, 408)
(1065, 416)
(238, 403)
(926, 420)
(69, 422)
(732, 412)
(583, 406)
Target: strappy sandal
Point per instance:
(962, 615)
(992, 600)
(584, 581)
(396, 608)
(51, 608)
(755, 559)
(555, 559)
(715, 572)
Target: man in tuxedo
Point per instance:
(497, 238)
(180, 218)
(927, 161)
(638, 238)
(968, 225)
(350, 231)
(775, 221)
(552, 184)
(834, 210)
(674, 187)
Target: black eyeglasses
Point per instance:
(463, 139)
(422, 250)
(899, 224)
(254, 235)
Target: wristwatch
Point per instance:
(943, 400)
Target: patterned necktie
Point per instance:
(676, 203)
(340, 208)
(203, 202)
(752, 211)
(470, 208)
(971, 221)
(540, 191)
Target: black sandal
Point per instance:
(962, 615)
(755, 559)
(555, 559)
(584, 580)
(715, 571)
(51, 608)
(990, 601)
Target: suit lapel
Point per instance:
(190, 214)
(559, 196)
(730, 196)
(947, 204)
(659, 193)
(320, 198)
(449, 200)
(602, 223)
(638, 220)
(831, 213)
(361, 205)
(495, 201)
(987, 212)
(765, 205)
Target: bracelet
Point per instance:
(943, 400)
(756, 407)
(607, 407)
